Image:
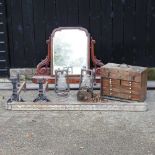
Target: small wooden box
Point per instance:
(124, 81)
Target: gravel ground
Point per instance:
(76, 133)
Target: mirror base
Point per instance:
(51, 79)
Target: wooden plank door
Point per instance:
(4, 60)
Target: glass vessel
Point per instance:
(61, 82)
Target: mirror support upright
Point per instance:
(43, 68)
(96, 62)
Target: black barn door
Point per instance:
(4, 68)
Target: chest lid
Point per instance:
(123, 72)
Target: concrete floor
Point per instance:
(76, 133)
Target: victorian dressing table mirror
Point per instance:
(68, 47)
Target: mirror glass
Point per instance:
(70, 49)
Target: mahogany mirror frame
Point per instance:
(88, 46)
(43, 69)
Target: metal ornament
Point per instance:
(62, 82)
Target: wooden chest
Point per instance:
(124, 81)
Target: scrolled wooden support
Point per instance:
(43, 67)
(96, 62)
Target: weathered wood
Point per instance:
(123, 72)
(118, 31)
(46, 86)
(23, 86)
(124, 81)
(18, 50)
(39, 14)
(106, 30)
(123, 30)
(129, 32)
(28, 33)
(4, 56)
(83, 14)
